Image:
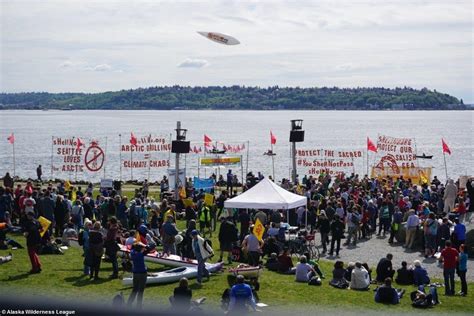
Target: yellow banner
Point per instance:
(258, 229)
(220, 161)
(209, 199)
(44, 222)
(417, 175)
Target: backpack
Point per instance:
(208, 247)
(355, 219)
(80, 238)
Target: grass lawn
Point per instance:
(62, 277)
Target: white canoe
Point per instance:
(247, 271)
(170, 276)
(174, 260)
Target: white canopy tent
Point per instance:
(267, 195)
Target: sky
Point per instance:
(95, 46)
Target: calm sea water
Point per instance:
(337, 130)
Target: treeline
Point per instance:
(238, 98)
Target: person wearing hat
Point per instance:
(202, 251)
(420, 275)
(169, 233)
(32, 230)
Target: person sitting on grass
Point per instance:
(404, 275)
(420, 275)
(315, 265)
(241, 296)
(338, 280)
(304, 272)
(285, 263)
(387, 294)
(385, 269)
(360, 278)
(272, 262)
(181, 299)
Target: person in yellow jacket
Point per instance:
(171, 212)
(204, 216)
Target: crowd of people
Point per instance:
(347, 207)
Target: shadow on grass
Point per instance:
(17, 277)
(84, 280)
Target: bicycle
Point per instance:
(303, 244)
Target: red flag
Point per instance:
(79, 143)
(207, 141)
(133, 139)
(371, 146)
(445, 147)
(273, 139)
(11, 139)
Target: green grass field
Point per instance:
(62, 277)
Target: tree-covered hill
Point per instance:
(237, 98)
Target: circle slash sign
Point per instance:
(94, 158)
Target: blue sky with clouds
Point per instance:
(95, 46)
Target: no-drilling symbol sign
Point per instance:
(94, 158)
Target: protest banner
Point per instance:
(396, 154)
(146, 152)
(220, 161)
(209, 199)
(327, 161)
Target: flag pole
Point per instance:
(52, 151)
(247, 164)
(14, 164)
(131, 162)
(445, 166)
(120, 155)
(105, 157)
(367, 150)
(273, 162)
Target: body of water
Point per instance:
(327, 130)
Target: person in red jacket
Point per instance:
(449, 257)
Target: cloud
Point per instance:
(102, 67)
(67, 64)
(193, 63)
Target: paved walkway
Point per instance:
(372, 250)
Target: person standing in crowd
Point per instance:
(228, 235)
(353, 221)
(139, 271)
(459, 233)
(430, 230)
(244, 219)
(253, 247)
(33, 240)
(324, 227)
(202, 252)
(230, 183)
(39, 173)
(449, 197)
(169, 233)
(337, 230)
(449, 257)
(412, 224)
(8, 181)
(145, 188)
(77, 214)
(86, 247)
(96, 249)
(462, 269)
(111, 246)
